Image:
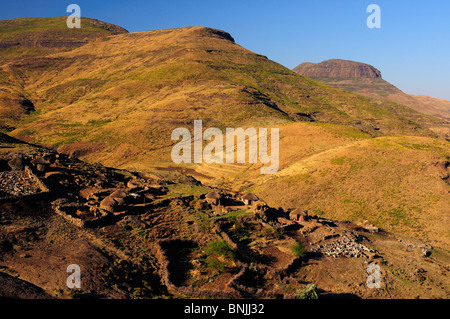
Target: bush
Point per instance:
(220, 248)
(272, 233)
(299, 250)
(218, 254)
(310, 292)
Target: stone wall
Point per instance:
(102, 219)
(164, 260)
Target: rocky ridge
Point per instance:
(336, 68)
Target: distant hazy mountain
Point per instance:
(366, 80)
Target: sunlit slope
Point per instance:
(33, 38)
(297, 141)
(398, 183)
(119, 98)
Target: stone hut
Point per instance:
(41, 164)
(120, 196)
(260, 206)
(109, 204)
(249, 199)
(298, 215)
(16, 164)
(133, 185)
(213, 198)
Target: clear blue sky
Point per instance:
(411, 49)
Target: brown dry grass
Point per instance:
(129, 91)
(398, 183)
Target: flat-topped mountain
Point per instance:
(366, 80)
(336, 68)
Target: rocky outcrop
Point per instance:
(346, 244)
(216, 33)
(20, 184)
(336, 68)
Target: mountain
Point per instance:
(33, 38)
(108, 98)
(366, 80)
(337, 68)
(434, 104)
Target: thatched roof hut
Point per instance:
(40, 160)
(120, 196)
(40, 163)
(298, 214)
(16, 164)
(249, 198)
(109, 204)
(213, 197)
(133, 184)
(119, 193)
(260, 206)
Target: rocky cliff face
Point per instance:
(337, 69)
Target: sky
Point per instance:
(411, 48)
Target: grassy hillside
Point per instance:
(33, 38)
(117, 99)
(121, 97)
(398, 183)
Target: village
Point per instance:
(172, 220)
(84, 195)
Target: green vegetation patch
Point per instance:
(298, 249)
(217, 255)
(186, 189)
(338, 160)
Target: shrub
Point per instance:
(220, 248)
(310, 292)
(218, 255)
(272, 233)
(298, 249)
